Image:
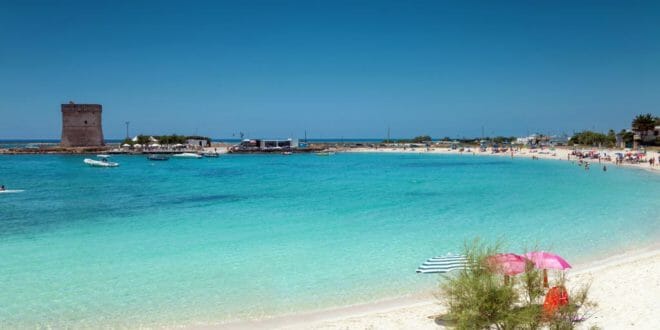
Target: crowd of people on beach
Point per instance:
(620, 158)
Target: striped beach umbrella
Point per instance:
(443, 264)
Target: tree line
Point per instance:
(165, 139)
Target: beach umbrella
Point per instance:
(126, 145)
(546, 260)
(137, 145)
(443, 264)
(507, 263)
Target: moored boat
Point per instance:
(325, 153)
(187, 155)
(158, 157)
(100, 163)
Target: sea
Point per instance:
(191, 242)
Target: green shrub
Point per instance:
(478, 298)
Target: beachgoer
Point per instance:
(2, 188)
(604, 168)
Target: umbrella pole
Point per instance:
(545, 278)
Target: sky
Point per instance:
(335, 68)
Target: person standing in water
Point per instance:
(2, 187)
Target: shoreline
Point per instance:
(560, 154)
(418, 310)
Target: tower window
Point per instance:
(85, 122)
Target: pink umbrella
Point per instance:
(546, 260)
(507, 264)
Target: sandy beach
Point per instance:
(560, 153)
(626, 288)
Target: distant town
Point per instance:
(82, 132)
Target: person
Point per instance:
(2, 188)
(604, 168)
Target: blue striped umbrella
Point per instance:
(443, 264)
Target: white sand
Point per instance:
(560, 153)
(626, 288)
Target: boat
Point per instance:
(187, 155)
(211, 155)
(11, 191)
(158, 157)
(100, 163)
(103, 156)
(286, 153)
(325, 153)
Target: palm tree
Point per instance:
(643, 123)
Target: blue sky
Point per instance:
(333, 68)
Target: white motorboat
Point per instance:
(100, 163)
(325, 153)
(211, 154)
(11, 191)
(187, 155)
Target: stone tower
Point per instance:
(81, 125)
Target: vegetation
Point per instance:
(417, 139)
(644, 123)
(627, 136)
(501, 139)
(480, 298)
(165, 139)
(590, 138)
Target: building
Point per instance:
(266, 145)
(559, 140)
(82, 125)
(198, 143)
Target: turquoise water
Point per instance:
(241, 237)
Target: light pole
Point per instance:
(127, 123)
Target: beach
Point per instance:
(559, 153)
(626, 288)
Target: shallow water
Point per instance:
(204, 241)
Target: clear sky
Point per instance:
(335, 68)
